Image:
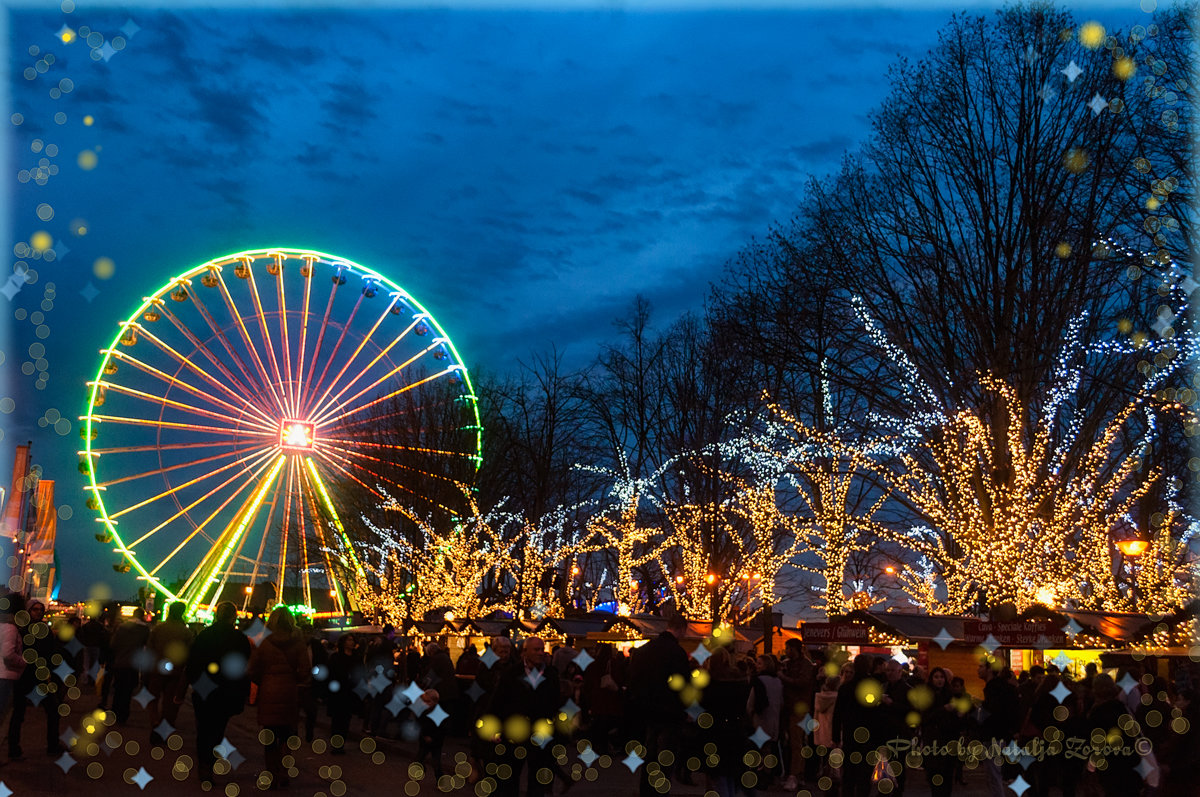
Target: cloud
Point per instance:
(168, 39)
(315, 155)
(91, 93)
(825, 151)
(347, 106)
(280, 51)
(234, 114)
(857, 46)
(645, 160)
(472, 114)
(590, 197)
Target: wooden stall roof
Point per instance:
(490, 628)
(650, 626)
(591, 623)
(917, 627)
(429, 627)
(1114, 628)
(1182, 615)
(753, 633)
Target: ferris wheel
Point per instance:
(250, 405)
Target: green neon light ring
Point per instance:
(213, 350)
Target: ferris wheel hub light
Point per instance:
(296, 435)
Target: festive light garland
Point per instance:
(1013, 503)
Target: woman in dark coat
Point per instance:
(280, 666)
(941, 726)
(1116, 761)
(725, 698)
(604, 698)
(345, 671)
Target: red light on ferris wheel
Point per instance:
(296, 435)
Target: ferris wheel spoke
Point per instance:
(258, 560)
(170, 468)
(166, 493)
(252, 388)
(337, 281)
(163, 447)
(261, 315)
(195, 532)
(350, 461)
(233, 387)
(289, 388)
(317, 489)
(287, 517)
(302, 539)
(337, 465)
(163, 401)
(323, 546)
(320, 403)
(187, 427)
(214, 561)
(387, 499)
(280, 406)
(284, 538)
(307, 270)
(331, 510)
(259, 462)
(346, 442)
(333, 354)
(373, 421)
(232, 566)
(352, 454)
(329, 416)
(175, 381)
(324, 410)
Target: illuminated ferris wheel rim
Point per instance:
(288, 426)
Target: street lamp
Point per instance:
(1132, 542)
(711, 579)
(1129, 540)
(1133, 547)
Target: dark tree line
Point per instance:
(1019, 187)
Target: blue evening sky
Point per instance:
(523, 170)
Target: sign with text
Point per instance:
(1038, 635)
(834, 634)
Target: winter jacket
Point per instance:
(129, 638)
(170, 641)
(216, 667)
(823, 703)
(767, 716)
(521, 693)
(11, 663)
(280, 666)
(650, 669)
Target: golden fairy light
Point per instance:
(1021, 519)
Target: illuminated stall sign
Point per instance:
(1038, 635)
(835, 633)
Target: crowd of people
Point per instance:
(732, 722)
